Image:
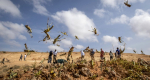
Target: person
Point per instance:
(111, 55)
(118, 53)
(3, 60)
(25, 57)
(92, 54)
(102, 54)
(54, 57)
(50, 57)
(20, 58)
(82, 54)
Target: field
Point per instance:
(39, 56)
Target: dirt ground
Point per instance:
(30, 59)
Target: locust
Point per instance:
(134, 51)
(44, 39)
(26, 46)
(76, 37)
(142, 52)
(65, 33)
(121, 51)
(87, 49)
(95, 31)
(29, 30)
(126, 3)
(70, 53)
(120, 39)
(48, 27)
(58, 45)
(57, 39)
(47, 37)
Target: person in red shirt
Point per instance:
(102, 54)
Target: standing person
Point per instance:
(25, 57)
(111, 55)
(54, 57)
(50, 57)
(92, 54)
(102, 54)
(3, 60)
(20, 58)
(118, 52)
(82, 54)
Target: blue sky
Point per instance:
(111, 18)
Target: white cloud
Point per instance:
(116, 4)
(77, 22)
(101, 12)
(110, 39)
(12, 42)
(111, 3)
(129, 48)
(140, 23)
(22, 37)
(10, 31)
(128, 38)
(149, 49)
(8, 7)
(53, 47)
(123, 19)
(39, 8)
(66, 43)
(79, 46)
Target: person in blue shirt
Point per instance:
(92, 54)
(118, 52)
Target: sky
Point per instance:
(111, 18)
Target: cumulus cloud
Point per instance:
(128, 38)
(12, 42)
(77, 22)
(39, 8)
(66, 43)
(110, 39)
(116, 4)
(129, 48)
(123, 19)
(12, 8)
(101, 12)
(53, 47)
(10, 31)
(140, 23)
(79, 46)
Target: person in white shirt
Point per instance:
(82, 54)
(25, 57)
(54, 57)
